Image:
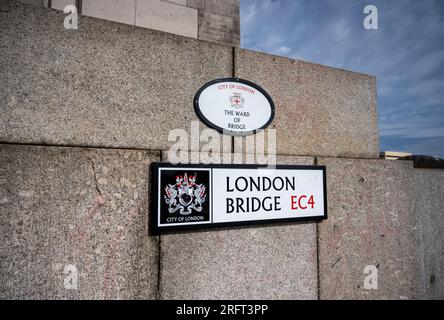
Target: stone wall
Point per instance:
(86, 208)
(273, 262)
(372, 222)
(212, 20)
(429, 211)
(113, 85)
(84, 113)
(319, 110)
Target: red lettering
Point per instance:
(299, 202)
(293, 203)
(311, 202)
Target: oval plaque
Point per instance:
(234, 106)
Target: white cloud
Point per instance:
(406, 54)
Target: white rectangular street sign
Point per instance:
(207, 196)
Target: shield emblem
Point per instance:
(236, 100)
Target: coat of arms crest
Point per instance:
(236, 100)
(185, 195)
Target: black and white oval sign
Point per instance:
(234, 106)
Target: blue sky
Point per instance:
(406, 54)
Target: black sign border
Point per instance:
(231, 132)
(154, 197)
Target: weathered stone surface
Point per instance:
(429, 207)
(218, 28)
(33, 2)
(61, 4)
(105, 84)
(168, 17)
(370, 222)
(179, 2)
(229, 8)
(70, 207)
(266, 262)
(196, 4)
(123, 11)
(224, 158)
(319, 110)
(261, 145)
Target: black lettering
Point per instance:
(228, 185)
(277, 203)
(239, 204)
(245, 184)
(255, 204)
(270, 207)
(264, 187)
(230, 207)
(290, 183)
(281, 186)
(255, 183)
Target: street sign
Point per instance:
(234, 106)
(187, 197)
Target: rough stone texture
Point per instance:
(61, 4)
(211, 20)
(429, 207)
(33, 2)
(224, 158)
(168, 17)
(229, 8)
(196, 4)
(179, 2)
(123, 11)
(171, 16)
(319, 110)
(219, 21)
(266, 262)
(219, 28)
(105, 84)
(256, 147)
(82, 207)
(370, 222)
